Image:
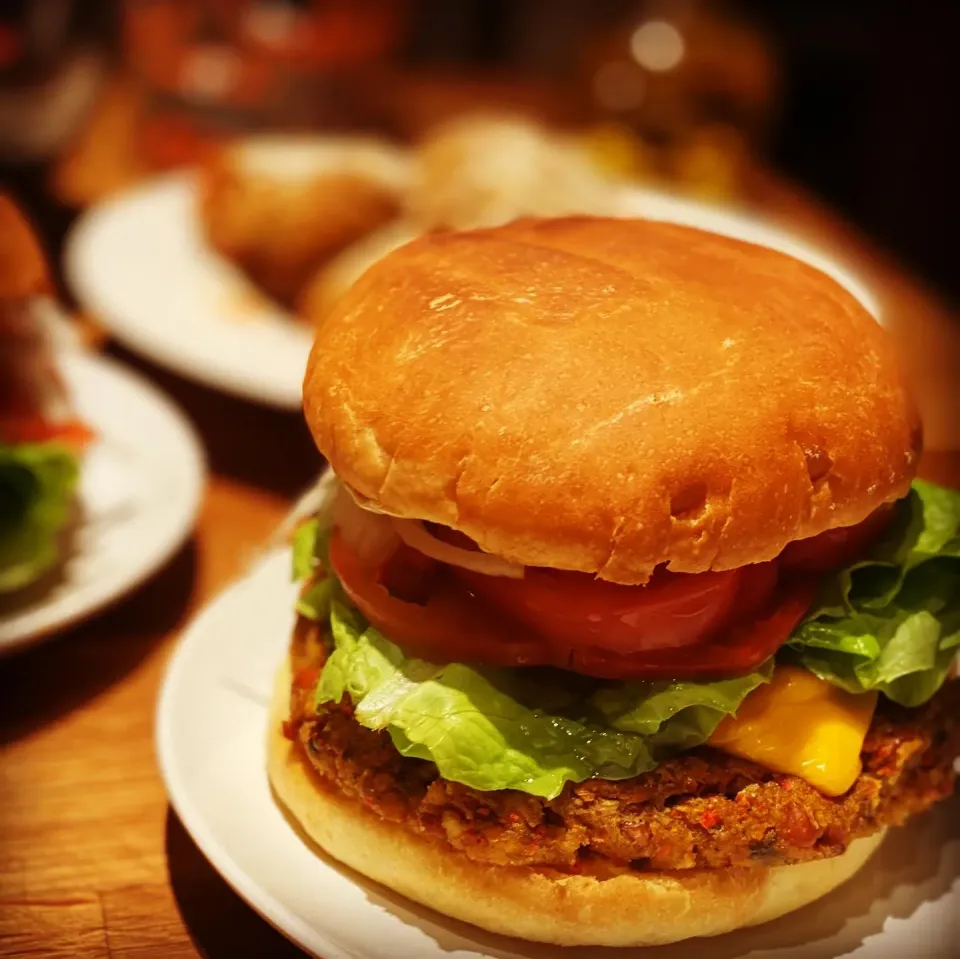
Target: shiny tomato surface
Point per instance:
(723, 626)
(677, 625)
(446, 625)
(579, 610)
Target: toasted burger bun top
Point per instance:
(611, 395)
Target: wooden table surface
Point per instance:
(93, 863)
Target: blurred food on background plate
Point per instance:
(484, 170)
(41, 440)
(475, 171)
(277, 206)
(303, 217)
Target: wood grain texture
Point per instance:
(92, 861)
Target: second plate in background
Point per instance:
(139, 263)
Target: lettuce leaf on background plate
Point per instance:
(37, 486)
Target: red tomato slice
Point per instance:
(448, 626)
(671, 611)
(836, 547)
(72, 432)
(740, 648)
(453, 625)
(409, 575)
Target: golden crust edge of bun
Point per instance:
(627, 910)
(335, 277)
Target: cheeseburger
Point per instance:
(628, 621)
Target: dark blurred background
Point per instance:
(866, 112)
(853, 100)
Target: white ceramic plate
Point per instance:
(211, 732)
(140, 489)
(140, 264)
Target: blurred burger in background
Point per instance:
(41, 440)
(280, 206)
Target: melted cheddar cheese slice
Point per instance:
(801, 725)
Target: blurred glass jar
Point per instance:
(686, 89)
(210, 67)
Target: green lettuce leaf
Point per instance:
(37, 484)
(892, 622)
(315, 599)
(309, 550)
(694, 710)
(304, 550)
(492, 728)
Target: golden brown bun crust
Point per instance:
(609, 395)
(23, 267)
(278, 228)
(632, 909)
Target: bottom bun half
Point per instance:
(632, 909)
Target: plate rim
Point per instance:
(274, 912)
(193, 452)
(761, 229)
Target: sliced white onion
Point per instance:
(368, 504)
(369, 535)
(414, 534)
